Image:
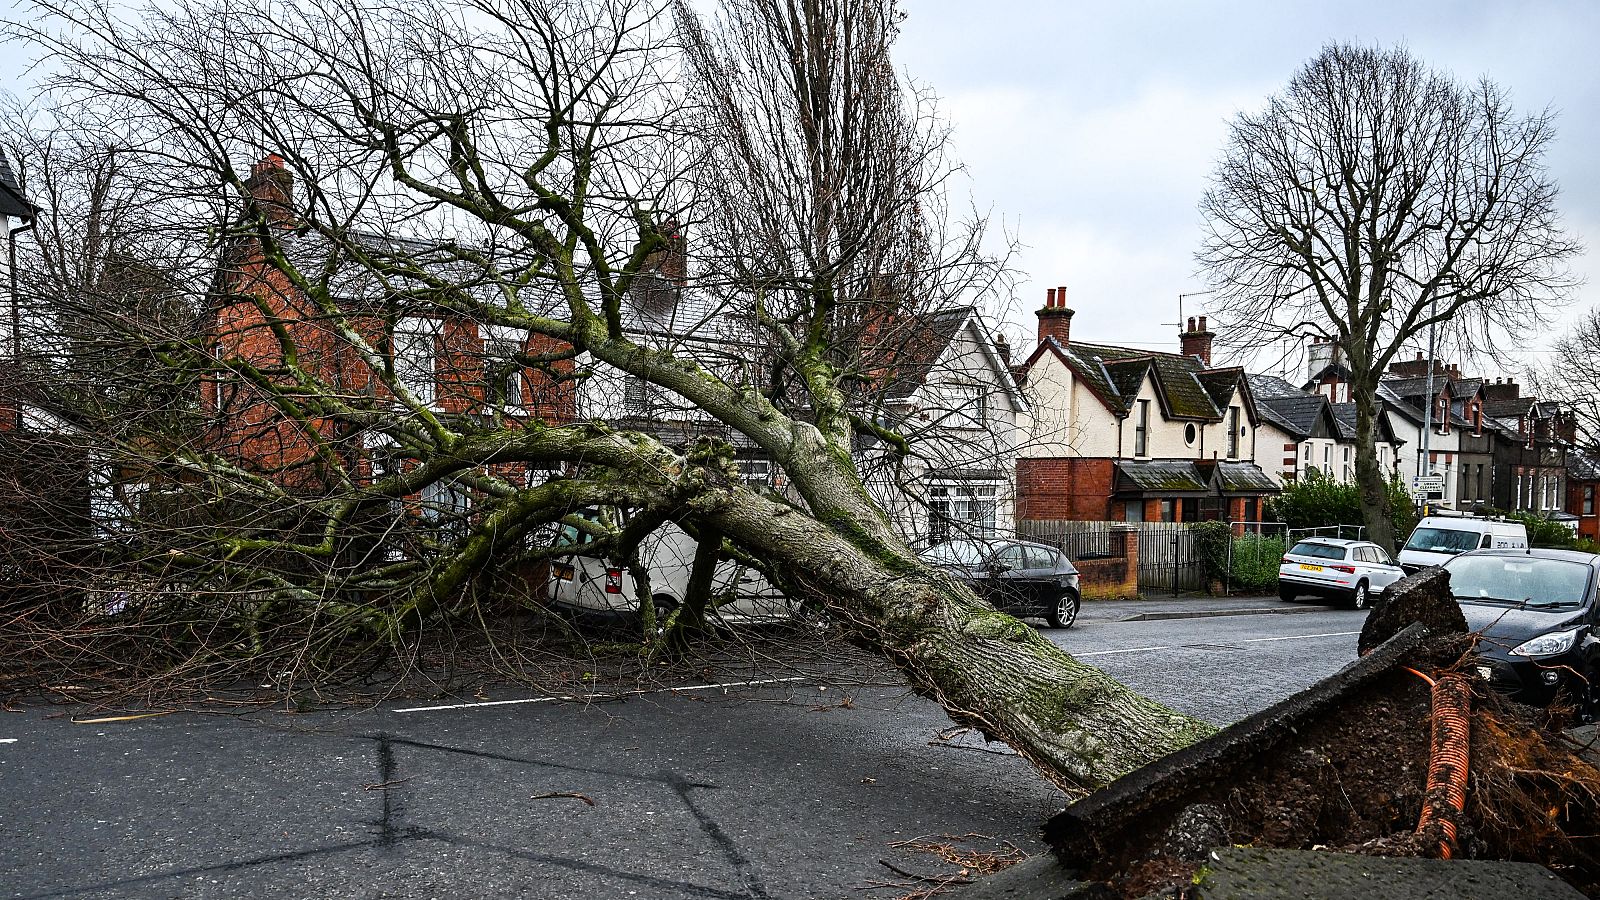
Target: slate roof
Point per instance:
(12, 203)
(1241, 477)
(1582, 466)
(1415, 387)
(1265, 387)
(1109, 372)
(1299, 412)
(919, 344)
(1508, 409)
(1164, 475)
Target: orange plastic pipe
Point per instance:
(1448, 757)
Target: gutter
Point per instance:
(16, 314)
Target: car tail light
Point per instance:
(1285, 560)
(1348, 570)
(613, 581)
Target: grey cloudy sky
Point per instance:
(1089, 128)
(1092, 127)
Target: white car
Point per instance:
(1336, 569)
(1439, 538)
(586, 582)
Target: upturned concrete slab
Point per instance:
(1036, 878)
(1246, 873)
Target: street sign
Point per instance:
(1424, 485)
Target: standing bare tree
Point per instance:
(433, 179)
(1376, 199)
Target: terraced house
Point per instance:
(1124, 434)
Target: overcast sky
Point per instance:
(1092, 127)
(1089, 129)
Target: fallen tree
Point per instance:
(529, 168)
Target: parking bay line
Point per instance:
(585, 698)
(1290, 637)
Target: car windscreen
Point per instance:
(960, 553)
(1442, 540)
(1320, 551)
(1532, 581)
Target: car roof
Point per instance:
(1577, 556)
(1337, 542)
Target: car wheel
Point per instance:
(1359, 599)
(1064, 611)
(1286, 594)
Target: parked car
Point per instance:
(1437, 538)
(583, 580)
(1016, 577)
(1336, 569)
(1536, 612)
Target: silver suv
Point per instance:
(1336, 569)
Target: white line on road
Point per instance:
(1287, 637)
(8, 740)
(1300, 637)
(586, 698)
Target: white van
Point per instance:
(1438, 538)
(590, 583)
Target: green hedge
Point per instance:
(1252, 565)
(1318, 501)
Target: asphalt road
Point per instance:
(779, 789)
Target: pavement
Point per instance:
(748, 781)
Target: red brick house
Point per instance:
(451, 366)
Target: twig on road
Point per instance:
(572, 794)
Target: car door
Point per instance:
(1009, 575)
(1384, 570)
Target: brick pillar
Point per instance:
(1125, 543)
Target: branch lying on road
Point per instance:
(572, 794)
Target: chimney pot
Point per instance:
(1202, 323)
(1050, 298)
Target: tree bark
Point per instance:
(1376, 512)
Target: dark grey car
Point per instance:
(1017, 577)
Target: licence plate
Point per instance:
(1310, 568)
(563, 572)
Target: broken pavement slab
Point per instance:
(1250, 873)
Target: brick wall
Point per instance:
(1065, 488)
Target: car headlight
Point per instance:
(1547, 644)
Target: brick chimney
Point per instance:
(672, 261)
(271, 189)
(1499, 391)
(1002, 347)
(1055, 320)
(1196, 340)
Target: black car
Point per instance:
(1537, 614)
(1016, 577)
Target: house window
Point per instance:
(503, 376)
(1233, 432)
(1141, 430)
(756, 471)
(1169, 511)
(416, 358)
(1190, 433)
(1349, 471)
(636, 396)
(1133, 511)
(969, 404)
(1327, 459)
(1308, 456)
(1588, 499)
(961, 509)
(1443, 415)
(445, 502)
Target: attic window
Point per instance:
(1190, 433)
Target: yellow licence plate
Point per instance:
(1310, 568)
(563, 572)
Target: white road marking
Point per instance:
(1287, 637)
(1129, 650)
(594, 697)
(8, 740)
(1300, 637)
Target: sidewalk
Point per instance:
(1160, 607)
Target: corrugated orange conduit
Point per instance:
(1447, 758)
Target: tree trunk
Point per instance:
(1077, 725)
(1371, 482)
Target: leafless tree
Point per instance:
(1372, 201)
(1572, 374)
(531, 167)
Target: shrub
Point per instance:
(1318, 501)
(1543, 532)
(1211, 540)
(1255, 563)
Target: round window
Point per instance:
(1189, 433)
